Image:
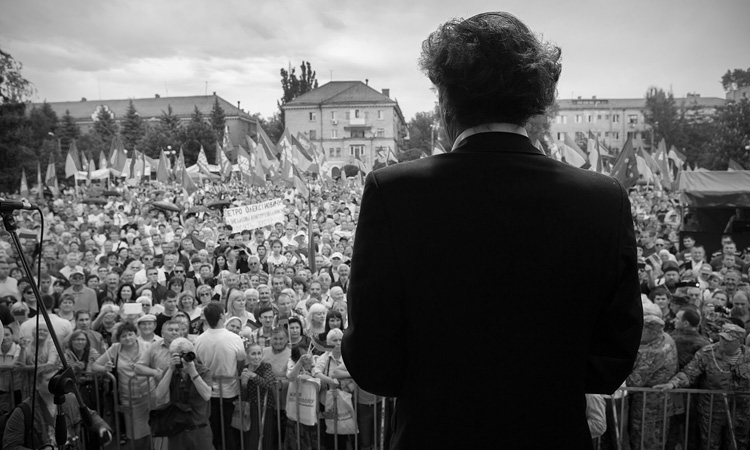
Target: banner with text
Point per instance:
(254, 216)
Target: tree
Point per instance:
(104, 130)
(43, 124)
(218, 119)
(68, 129)
(662, 115)
(197, 133)
(273, 126)
(731, 135)
(737, 77)
(421, 131)
(165, 134)
(133, 128)
(293, 86)
(14, 88)
(538, 126)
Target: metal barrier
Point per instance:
(697, 414)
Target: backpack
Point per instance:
(4, 421)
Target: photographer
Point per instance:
(186, 382)
(17, 431)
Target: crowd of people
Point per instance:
(183, 309)
(186, 310)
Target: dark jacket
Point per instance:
(551, 265)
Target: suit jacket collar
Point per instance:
(498, 143)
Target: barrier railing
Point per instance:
(676, 417)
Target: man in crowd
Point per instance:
(8, 285)
(85, 297)
(720, 366)
(656, 363)
(222, 353)
(170, 310)
(83, 323)
(158, 290)
(109, 288)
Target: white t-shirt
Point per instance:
(219, 350)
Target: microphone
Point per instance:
(12, 205)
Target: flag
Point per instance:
(24, 189)
(677, 157)
(311, 150)
(625, 168)
(39, 184)
(299, 182)
(180, 168)
(734, 165)
(438, 148)
(256, 168)
(595, 156)
(661, 158)
(361, 165)
(249, 167)
(538, 145)
(224, 164)
(554, 152)
(187, 183)
(162, 172)
(72, 161)
(90, 167)
(650, 161)
(578, 158)
(266, 151)
(644, 169)
(51, 179)
(286, 158)
(102, 160)
(391, 157)
(203, 164)
(118, 158)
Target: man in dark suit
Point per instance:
(517, 380)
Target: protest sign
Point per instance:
(259, 215)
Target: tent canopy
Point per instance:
(710, 189)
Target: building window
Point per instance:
(330, 152)
(356, 150)
(334, 134)
(380, 114)
(633, 119)
(579, 118)
(356, 114)
(313, 134)
(615, 118)
(631, 134)
(381, 132)
(338, 152)
(358, 133)
(348, 115)
(616, 135)
(598, 117)
(560, 136)
(313, 116)
(333, 115)
(580, 136)
(590, 118)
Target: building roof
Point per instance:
(148, 107)
(634, 103)
(341, 93)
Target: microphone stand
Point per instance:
(64, 381)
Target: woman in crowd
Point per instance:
(334, 320)
(135, 391)
(233, 324)
(235, 306)
(30, 300)
(258, 387)
(299, 371)
(175, 284)
(187, 303)
(300, 288)
(81, 357)
(316, 320)
(323, 369)
(340, 307)
(262, 251)
(39, 349)
(276, 258)
(204, 294)
(220, 264)
(105, 322)
(92, 281)
(65, 311)
(89, 262)
(125, 294)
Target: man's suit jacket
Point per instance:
(556, 287)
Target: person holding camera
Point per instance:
(186, 381)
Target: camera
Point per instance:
(187, 357)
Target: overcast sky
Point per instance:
(134, 49)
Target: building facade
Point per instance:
(612, 121)
(84, 112)
(346, 120)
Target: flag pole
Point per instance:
(311, 243)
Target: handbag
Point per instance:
(170, 420)
(241, 416)
(303, 397)
(339, 413)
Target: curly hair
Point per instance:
(491, 68)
